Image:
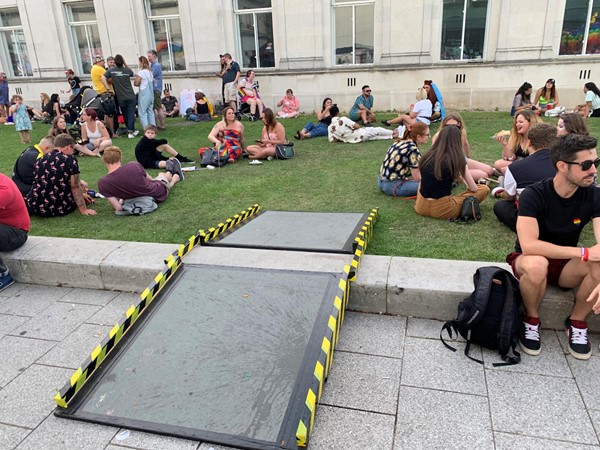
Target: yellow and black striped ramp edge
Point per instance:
(360, 242)
(84, 372)
(213, 232)
(324, 361)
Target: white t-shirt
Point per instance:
(342, 129)
(423, 110)
(510, 184)
(146, 77)
(591, 97)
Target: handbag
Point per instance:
(284, 151)
(212, 157)
(470, 211)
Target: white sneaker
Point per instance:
(131, 135)
(135, 133)
(255, 162)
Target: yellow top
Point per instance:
(96, 74)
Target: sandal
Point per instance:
(298, 135)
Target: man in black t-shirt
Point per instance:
(171, 104)
(552, 214)
(23, 169)
(524, 172)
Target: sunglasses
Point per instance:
(367, 90)
(585, 165)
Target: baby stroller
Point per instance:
(87, 98)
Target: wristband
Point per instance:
(585, 254)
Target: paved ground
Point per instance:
(393, 385)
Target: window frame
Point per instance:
(150, 18)
(335, 4)
(85, 24)
(585, 34)
(21, 61)
(254, 11)
(463, 31)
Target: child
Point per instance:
(21, 118)
(148, 150)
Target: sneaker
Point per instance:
(255, 162)
(6, 281)
(529, 341)
(269, 158)
(183, 159)
(497, 191)
(130, 135)
(176, 168)
(135, 133)
(385, 123)
(579, 344)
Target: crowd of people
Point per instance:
(544, 177)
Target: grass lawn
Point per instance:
(322, 177)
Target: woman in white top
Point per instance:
(145, 82)
(591, 107)
(419, 112)
(93, 133)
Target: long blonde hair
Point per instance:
(516, 139)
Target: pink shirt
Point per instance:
(288, 104)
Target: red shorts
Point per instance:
(555, 267)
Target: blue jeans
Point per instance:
(128, 110)
(316, 130)
(145, 106)
(399, 188)
(11, 238)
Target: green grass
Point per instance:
(322, 177)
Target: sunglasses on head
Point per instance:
(585, 165)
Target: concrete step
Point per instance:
(414, 287)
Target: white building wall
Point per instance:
(522, 40)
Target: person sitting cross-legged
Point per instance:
(520, 174)
(552, 214)
(129, 181)
(149, 150)
(23, 168)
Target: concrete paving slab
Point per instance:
(428, 328)
(348, 429)
(58, 433)
(31, 300)
(18, 353)
(368, 383)
(89, 296)
(505, 441)
(79, 264)
(373, 334)
(10, 437)
(133, 265)
(8, 323)
(207, 446)
(437, 419)
(586, 377)
(72, 351)
(57, 321)
(29, 398)
(369, 292)
(268, 259)
(428, 364)
(541, 406)
(110, 314)
(149, 441)
(595, 416)
(550, 362)
(12, 290)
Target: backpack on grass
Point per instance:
(137, 206)
(490, 316)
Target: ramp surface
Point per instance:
(293, 230)
(223, 354)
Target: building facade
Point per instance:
(477, 51)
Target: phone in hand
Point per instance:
(259, 141)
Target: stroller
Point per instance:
(87, 98)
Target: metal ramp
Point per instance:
(227, 355)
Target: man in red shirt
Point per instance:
(14, 224)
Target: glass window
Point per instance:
(255, 33)
(84, 33)
(165, 32)
(354, 31)
(13, 42)
(463, 29)
(581, 28)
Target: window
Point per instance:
(463, 29)
(165, 32)
(84, 32)
(13, 43)
(255, 33)
(354, 31)
(581, 28)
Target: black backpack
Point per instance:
(490, 316)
